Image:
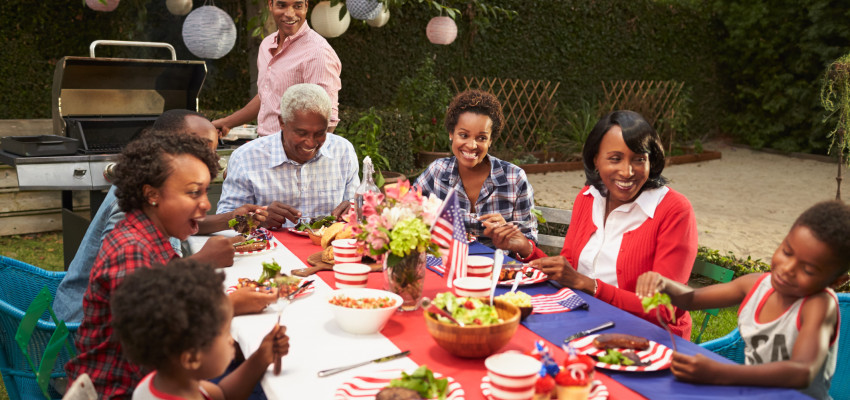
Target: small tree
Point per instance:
(835, 99)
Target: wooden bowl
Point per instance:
(475, 341)
(524, 312)
(317, 239)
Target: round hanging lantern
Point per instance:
(363, 9)
(381, 19)
(209, 32)
(179, 7)
(325, 20)
(441, 30)
(98, 6)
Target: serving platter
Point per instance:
(597, 392)
(273, 244)
(537, 276)
(658, 356)
(367, 386)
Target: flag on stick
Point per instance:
(448, 232)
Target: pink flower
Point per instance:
(373, 198)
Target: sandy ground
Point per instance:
(745, 202)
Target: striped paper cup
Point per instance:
(512, 375)
(479, 266)
(351, 275)
(345, 251)
(472, 287)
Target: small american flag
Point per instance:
(449, 232)
(564, 300)
(435, 264)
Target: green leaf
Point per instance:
(657, 300)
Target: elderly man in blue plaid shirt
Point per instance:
(301, 171)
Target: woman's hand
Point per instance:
(218, 251)
(508, 237)
(649, 283)
(246, 300)
(562, 272)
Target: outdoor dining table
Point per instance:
(316, 343)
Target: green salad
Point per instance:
(467, 310)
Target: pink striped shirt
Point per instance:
(306, 57)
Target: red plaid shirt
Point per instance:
(134, 243)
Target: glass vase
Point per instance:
(406, 279)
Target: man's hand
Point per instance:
(247, 300)
(341, 209)
(278, 213)
(223, 129)
(260, 213)
(218, 251)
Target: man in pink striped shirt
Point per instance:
(296, 54)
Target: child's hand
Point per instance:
(274, 346)
(697, 368)
(649, 283)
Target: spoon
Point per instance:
(429, 306)
(517, 278)
(498, 259)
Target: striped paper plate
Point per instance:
(537, 276)
(597, 392)
(269, 247)
(657, 355)
(367, 386)
(305, 292)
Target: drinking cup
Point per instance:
(351, 275)
(471, 286)
(512, 375)
(479, 266)
(345, 251)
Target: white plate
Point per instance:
(657, 355)
(305, 292)
(297, 232)
(597, 392)
(367, 386)
(537, 276)
(269, 247)
(241, 132)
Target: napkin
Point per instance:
(561, 301)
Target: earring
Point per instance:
(153, 203)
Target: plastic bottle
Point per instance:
(366, 185)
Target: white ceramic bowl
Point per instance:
(472, 286)
(351, 275)
(345, 251)
(479, 266)
(361, 321)
(512, 375)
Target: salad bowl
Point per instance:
(475, 341)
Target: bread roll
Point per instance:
(328, 255)
(330, 233)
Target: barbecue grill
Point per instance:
(100, 104)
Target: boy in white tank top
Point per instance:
(788, 317)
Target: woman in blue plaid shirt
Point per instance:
(495, 193)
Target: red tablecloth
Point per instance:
(408, 331)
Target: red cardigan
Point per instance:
(666, 243)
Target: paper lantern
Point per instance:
(363, 9)
(98, 6)
(325, 20)
(179, 7)
(381, 19)
(209, 32)
(441, 30)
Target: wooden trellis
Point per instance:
(655, 100)
(528, 107)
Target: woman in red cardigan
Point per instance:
(625, 222)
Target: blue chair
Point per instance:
(20, 283)
(731, 346)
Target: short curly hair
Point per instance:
(147, 161)
(829, 222)
(640, 137)
(162, 311)
(478, 102)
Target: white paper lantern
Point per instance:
(363, 9)
(381, 19)
(441, 30)
(179, 7)
(98, 6)
(209, 32)
(325, 20)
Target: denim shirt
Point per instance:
(68, 303)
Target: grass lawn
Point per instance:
(44, 250)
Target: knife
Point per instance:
(609, 324)
(332, 371)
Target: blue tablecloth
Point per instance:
(653, 385)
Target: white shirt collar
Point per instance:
(647, 201)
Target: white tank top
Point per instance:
(146, 391)
(774, 340)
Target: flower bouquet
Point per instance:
(396, 228)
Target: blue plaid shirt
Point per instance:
(506, 191)
(259, 172)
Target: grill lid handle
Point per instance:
(132, 43)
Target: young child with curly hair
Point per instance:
(788, 317)
(175, 319)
